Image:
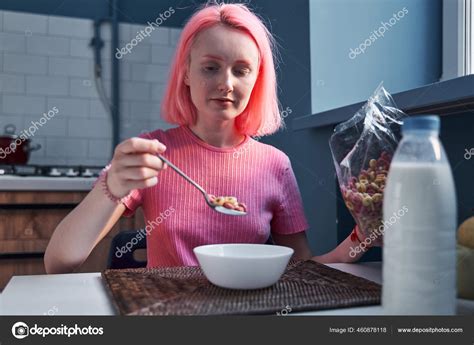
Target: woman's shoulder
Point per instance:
(161, 134)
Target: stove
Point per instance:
(48, 177)
(50, 170)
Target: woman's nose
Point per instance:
(226, 83)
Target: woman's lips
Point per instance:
(223, 101)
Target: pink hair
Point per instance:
(261, 116)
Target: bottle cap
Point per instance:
(423, 123)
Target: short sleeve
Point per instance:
(131, 201)
(289, 217)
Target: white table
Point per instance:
(85, 294)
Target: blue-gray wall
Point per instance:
(408, 54)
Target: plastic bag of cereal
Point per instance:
(362, 149)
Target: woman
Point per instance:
(222, 90)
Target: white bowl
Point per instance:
(243, 266)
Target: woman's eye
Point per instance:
(210, 68)
(242, 71)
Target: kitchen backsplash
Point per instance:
(46, 62)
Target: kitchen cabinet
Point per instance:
(27, 221)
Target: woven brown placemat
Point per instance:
(305, 285)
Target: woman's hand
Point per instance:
(134, 166)
(373, 239)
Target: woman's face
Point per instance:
(221, 73)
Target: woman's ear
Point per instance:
(186, 79)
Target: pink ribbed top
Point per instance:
(177, 216)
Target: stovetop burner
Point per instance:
(51, 170)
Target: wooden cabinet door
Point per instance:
(27, 222)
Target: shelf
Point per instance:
(441, 98)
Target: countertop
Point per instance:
(41, 183)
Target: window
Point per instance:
(458, 38)
(470, 36)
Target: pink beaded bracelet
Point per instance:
(103, 182)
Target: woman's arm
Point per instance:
(345, 252)
(297, 241)
(134, 166)
(77, 234)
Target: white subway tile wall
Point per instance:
(23, 22)
(25, 64)
(23, 105)
(12, 42)
(13, 83)
(46, 62)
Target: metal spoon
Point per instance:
(217, 208)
